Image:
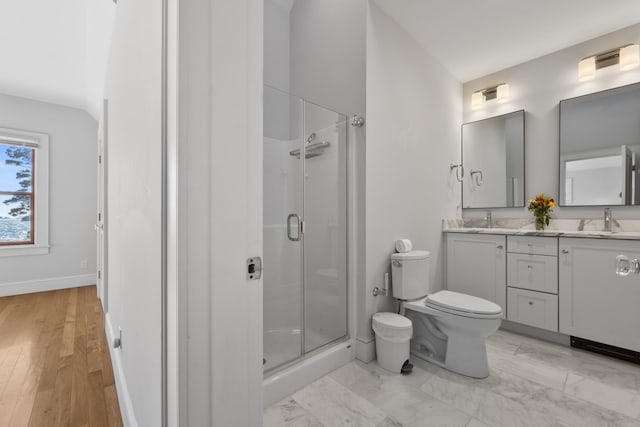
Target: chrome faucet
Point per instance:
(607, 219)
(488, 219)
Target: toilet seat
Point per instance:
(456, 304)
(464, 303)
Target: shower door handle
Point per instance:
(289, 228)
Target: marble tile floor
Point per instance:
(532, 384)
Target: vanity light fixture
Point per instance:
(499, 92)
(627, 57)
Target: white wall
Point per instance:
(134, 208)
(413, 134)
(316, 51)
(328, 53)
(537, 86)
(72, 200)
(99, 16)
(56, 51)
(277, 30)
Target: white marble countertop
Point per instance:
(621, 229)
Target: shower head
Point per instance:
(311, 150)
(311, 137)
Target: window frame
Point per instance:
(39, 244)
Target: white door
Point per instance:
(100, 214)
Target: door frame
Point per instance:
(101, 208)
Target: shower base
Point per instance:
(283, 345)
(285, 381)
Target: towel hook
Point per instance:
(459, 171)
(477, 177)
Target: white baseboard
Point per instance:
(366, 350)
(43, 285)
(124, 398)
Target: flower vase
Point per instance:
(540, 223)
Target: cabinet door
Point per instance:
(595, 303)
(476, 265)
(533, 272)
(533, 308)
(533, 245)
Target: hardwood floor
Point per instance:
(55, 368)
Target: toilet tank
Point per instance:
(410, 275)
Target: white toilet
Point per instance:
(449, 328)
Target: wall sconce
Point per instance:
(499, 92)
(627, 57)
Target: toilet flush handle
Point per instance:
(396, 263)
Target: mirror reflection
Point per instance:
(493, 159)
(599, 143)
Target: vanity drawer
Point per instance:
(533, 308)
(535, 245)
(533, 272)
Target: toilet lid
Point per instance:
(410, 256)
(462, 302)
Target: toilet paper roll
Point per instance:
(403, 245)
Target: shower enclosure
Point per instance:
(305, 227)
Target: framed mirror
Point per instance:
(599, 143)
(493, 159)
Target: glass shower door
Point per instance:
(305, 227)
(282, 205)
(325, 227)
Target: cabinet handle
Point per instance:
(529, 267)
(499, 246)
(298, 227)
(565, 251)
(530, 302)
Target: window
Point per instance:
(16, 194)
(23, 192)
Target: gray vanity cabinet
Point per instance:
(595, 303)
(476, 265)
